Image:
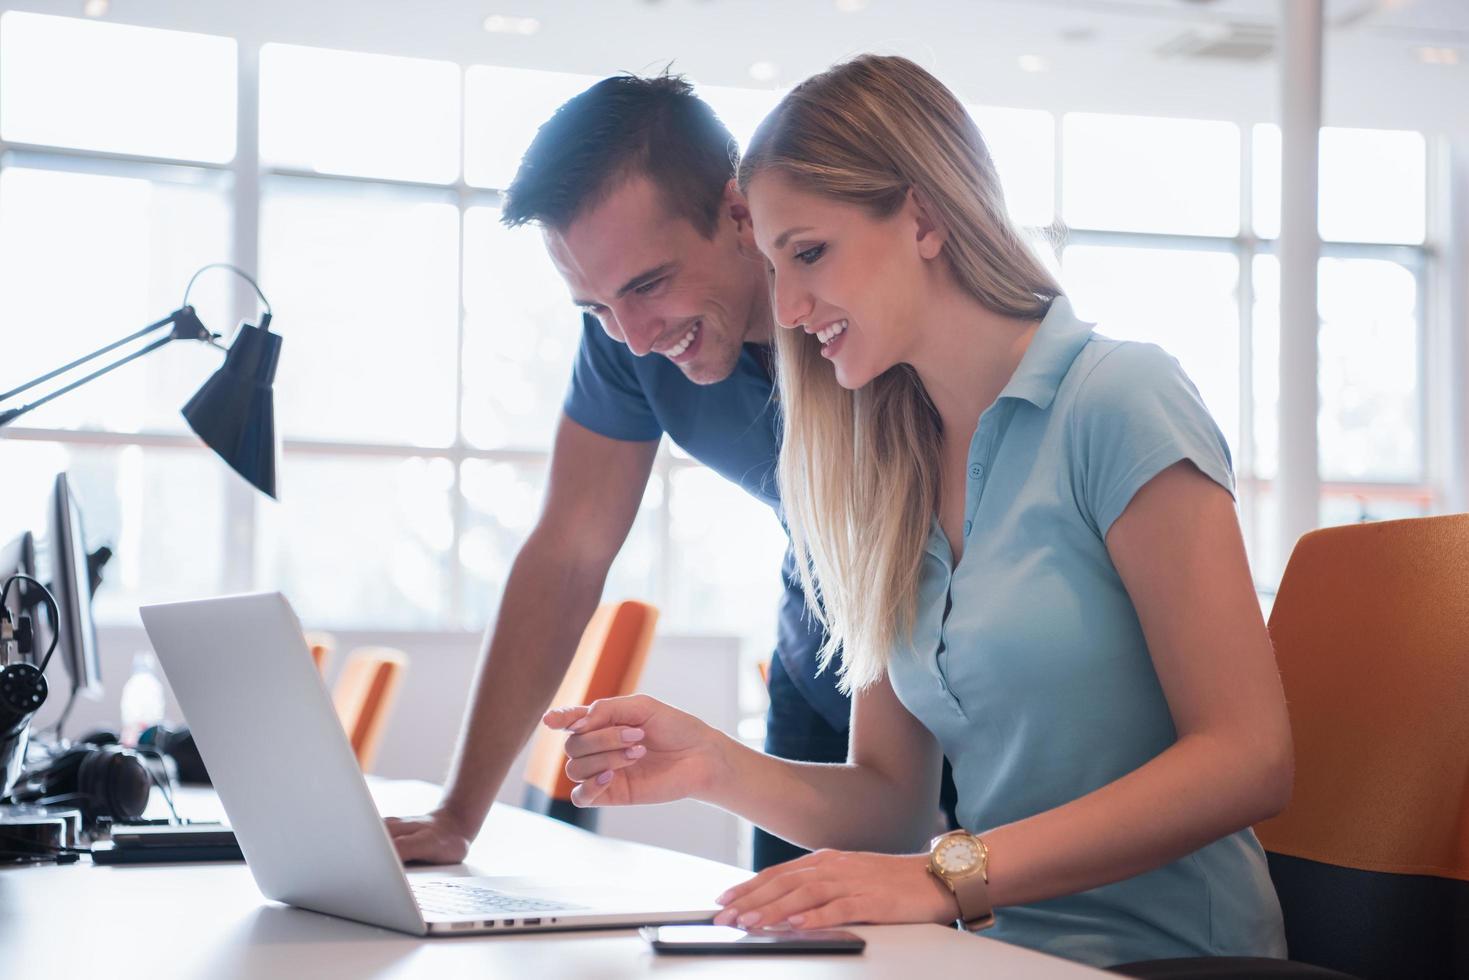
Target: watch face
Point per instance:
(956, 855)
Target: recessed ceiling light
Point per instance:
(1438, 56)
(763, 71)
(505, 24)
(1032, 63)
(850, 6)
(95, 8)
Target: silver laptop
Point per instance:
(297, 801)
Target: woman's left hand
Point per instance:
(832, 888)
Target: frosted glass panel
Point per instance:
(79, 83)
(370, 115)
(1136, 173)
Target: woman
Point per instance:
(1021, 538)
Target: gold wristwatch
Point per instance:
(961, 861)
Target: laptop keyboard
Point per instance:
(452, 898)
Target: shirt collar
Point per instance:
(1057, 341)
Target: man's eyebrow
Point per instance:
(644, 277)
(633, 283)
(785, 236)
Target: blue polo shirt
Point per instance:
(1028, 662)
(733, 428)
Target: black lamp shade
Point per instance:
(234, 413)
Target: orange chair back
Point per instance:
(321, 646)
(608, 663)
(1371, 632)
(364, 697)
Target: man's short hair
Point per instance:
(624, 126)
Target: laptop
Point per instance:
(298, 803)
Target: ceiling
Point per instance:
(1210, 58)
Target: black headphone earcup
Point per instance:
(125, 784)
(112, 782)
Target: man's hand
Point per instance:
(435, 838)
(834, 888)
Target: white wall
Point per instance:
(699, 674)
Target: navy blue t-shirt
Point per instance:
(731, 427)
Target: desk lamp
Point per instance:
(233, 413)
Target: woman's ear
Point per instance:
(734, 208)
(930, 233)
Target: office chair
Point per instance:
(608, 663)
(322, 646)
(1371, 857)
(364, 697)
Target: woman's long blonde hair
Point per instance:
(859, 470)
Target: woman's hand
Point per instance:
(833, 888)
(638, 750)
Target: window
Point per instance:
(94, 256)
(427, 348)
(365, 281)
(1371, 399)
(1372, 184)
(368, 115)
(89, 85)
(1132, 173)
(503, 108)
(1023, 145)
(520, 335)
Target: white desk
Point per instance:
(209, 921)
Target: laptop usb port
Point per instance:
(532, 922)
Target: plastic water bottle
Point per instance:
(142, 698)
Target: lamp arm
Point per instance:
(186, 326)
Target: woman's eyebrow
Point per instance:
(780, 242)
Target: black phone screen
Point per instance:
(728, 940)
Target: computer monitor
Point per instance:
(72, 587)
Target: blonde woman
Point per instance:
(1021, 538)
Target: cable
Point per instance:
(167, 792)
(51, 607)
(53, 730)
(237, 271)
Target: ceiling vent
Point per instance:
(1222, 42)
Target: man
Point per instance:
(632, 185)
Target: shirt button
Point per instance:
(967, 526)
(976, 471)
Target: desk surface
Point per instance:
(209, 920)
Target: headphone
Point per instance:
(97, 776)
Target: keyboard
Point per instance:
(452, 898)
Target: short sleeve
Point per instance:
(605, 394)
(1137, 414)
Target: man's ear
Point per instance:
(735, 209)
(930, 234)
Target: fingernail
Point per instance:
(632, 734)
(580, 723)
(749, 919)
(796, 920)
(726, 917)
(604, 778)
(636, 752)
(722, 899)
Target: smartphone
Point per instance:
(172, 835)
(727, 939)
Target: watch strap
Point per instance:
(972, 893)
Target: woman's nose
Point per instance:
(792, 305)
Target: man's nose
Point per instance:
(640, 333)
